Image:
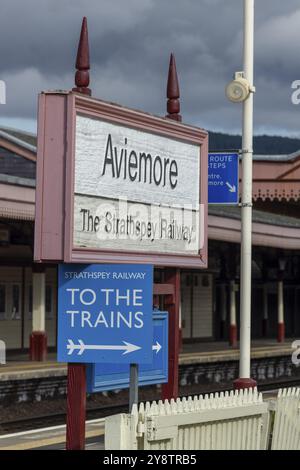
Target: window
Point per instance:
(15, 308)
(2, 301)
(49, 302)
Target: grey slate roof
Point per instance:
(21, 138)
(13, 164)
(277, 158)
(16, 180)
(234, 212)
(16, 165)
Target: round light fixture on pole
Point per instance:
(238, 89)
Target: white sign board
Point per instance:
(135, 190)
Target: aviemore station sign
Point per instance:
(118, 185)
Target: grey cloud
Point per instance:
(130, 42)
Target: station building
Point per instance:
(209, 298)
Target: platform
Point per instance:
(53, 438)
(208, 352)
(18, 367)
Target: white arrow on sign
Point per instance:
(156, 347)
(232, 189)
(81, 347)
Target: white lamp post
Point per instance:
(241, 89)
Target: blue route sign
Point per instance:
(105, 313)
(223, 178)
(101, 377)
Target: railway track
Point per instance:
(280, 384)
(54, 419)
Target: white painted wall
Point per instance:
(202, 307)
(197, 305)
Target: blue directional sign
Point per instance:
(105, 313)
(223, 178)
(102, 377)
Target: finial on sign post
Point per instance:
(82, 76)
(173, 104)
(76, 383)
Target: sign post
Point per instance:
(76, 383)
(76, 407)
(116, 185)
(133, 386)
(171, 304)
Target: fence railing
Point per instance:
(237, 420)
(286, 429)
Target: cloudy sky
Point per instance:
(130, 43)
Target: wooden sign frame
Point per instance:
(55, 179)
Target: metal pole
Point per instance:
(246, 215)
(133, 386)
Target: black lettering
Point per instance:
(96, 223)
(132, 165)
(118, 164)
(174, 173)
(145, 158)
(84, 212)
(109, 157)
(142, 167)
(108, 225)
(166, 162)
(157, 160)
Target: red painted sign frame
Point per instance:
(55, 178)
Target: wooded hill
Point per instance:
(263, 144)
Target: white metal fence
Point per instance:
(286, 430)
(236, 420)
